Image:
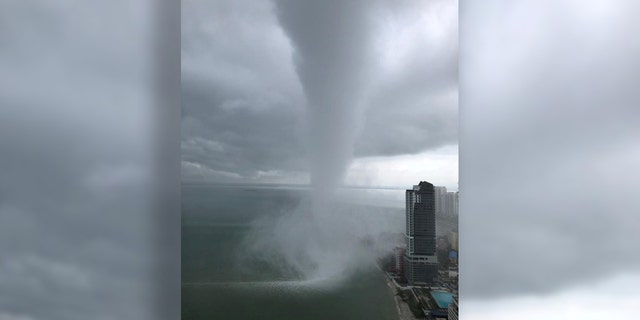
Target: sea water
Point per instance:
(218, 282)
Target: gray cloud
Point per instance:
(241, 91)
(238, 140)
(549, 154)
(414, 104)
(74, 139)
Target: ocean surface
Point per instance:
(223, 279)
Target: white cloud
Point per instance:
(439, 167)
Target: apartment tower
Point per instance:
(420, 262)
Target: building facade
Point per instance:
(420, 261)
(440, 194)
(399, 253)
(446, 202)
(451, 203)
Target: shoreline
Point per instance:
(404, 313)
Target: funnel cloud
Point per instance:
(332, 50)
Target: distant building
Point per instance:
(451, 203)
(440, 194)
(454, 203)
(420, 261)
(453, 309)
(399, 253)
(446, 202)
(442, 244)
(453, 240)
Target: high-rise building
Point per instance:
(440, 194)
(421, 263)
(446, 202)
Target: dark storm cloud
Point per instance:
(245, 74)
(549, 146)
(404, 125)
(74, 145)
(237, 140)
(240, 97)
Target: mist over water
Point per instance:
(243, 255)
(327, 245)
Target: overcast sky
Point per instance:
(247, 111)
(74, 154)
(549, 160)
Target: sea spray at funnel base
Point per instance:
(332, 50)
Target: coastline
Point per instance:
(404, 313)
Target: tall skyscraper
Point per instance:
(421, 264)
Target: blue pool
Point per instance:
(443, 298)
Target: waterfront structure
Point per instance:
(420, 260)
(453, 309)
